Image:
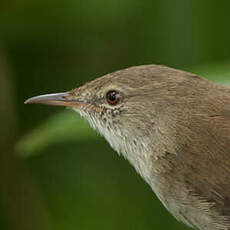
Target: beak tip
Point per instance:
(30, 101)
(27, 101)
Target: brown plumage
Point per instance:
(174, 127)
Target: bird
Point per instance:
(173, 127)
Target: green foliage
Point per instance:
(217, 72)
(63, 127)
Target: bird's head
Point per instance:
(130, 107)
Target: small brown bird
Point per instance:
(173, 127)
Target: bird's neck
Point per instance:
(147, 153)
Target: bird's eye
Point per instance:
(113, 97)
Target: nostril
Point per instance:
(65, 96)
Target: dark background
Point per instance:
(55, 172)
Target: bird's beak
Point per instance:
(59, 99)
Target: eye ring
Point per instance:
(113, 97)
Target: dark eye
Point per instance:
(113, 97)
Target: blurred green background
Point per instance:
(55, 172)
